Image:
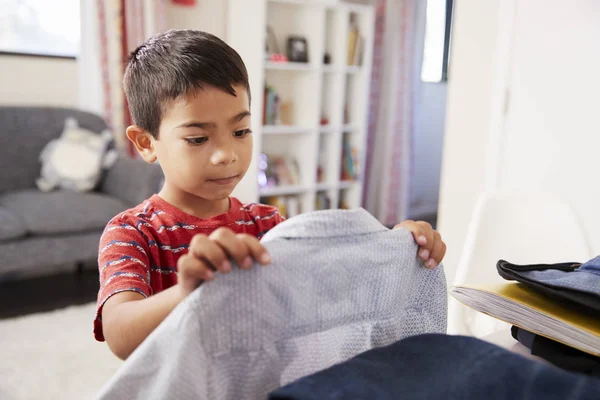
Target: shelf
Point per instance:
(321, 187)
(296, 2)
(329, 129)
(289, 66)
(347, 184)
(282, 190)
(331, 69)
(353, 69)
(347, 128)
(333, 4)
(285, 130)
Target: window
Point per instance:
(40, 27)
(436, 50)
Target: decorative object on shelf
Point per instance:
(265, 176)
(278, 170)
(327, 59)
(272, 52)
(297, 49)
(324, 120)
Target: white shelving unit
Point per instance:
(338, 91)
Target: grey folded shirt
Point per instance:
(340, 283)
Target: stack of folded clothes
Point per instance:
(554, 309)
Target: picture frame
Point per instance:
(297, 49)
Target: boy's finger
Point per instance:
(438, 252)
(428, 232)
(414, 229)
(257, 251)
(193, 271)
(206, 250)
(233, 247)
(417, 231)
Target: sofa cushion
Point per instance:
(10, 225)
(62, 211)
(24, 131)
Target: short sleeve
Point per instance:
(123, 263)
(267, 218)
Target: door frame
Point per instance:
(500, 94)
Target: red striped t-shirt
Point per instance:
(140, 247)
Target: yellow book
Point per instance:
(521, 306)
(352, 42)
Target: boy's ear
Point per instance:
(143, 142)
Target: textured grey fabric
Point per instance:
(10, 226)
(24, 131)
(340, 283)
(62, 211)
(34, 256)
(132, 181)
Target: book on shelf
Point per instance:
(322, 201)
(349, 170)
(321, 163)
(271, 107)
(355, 43)
(288, 206)
(530, 310)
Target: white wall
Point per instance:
(207, 15)
(26, 80)
(430, 117)
(471, 74)
(552, 131)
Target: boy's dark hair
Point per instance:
(172, 64)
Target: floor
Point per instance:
(48, 293)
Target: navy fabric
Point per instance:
(591, 267)
(435, 366)
(576, 283)
(557, 353)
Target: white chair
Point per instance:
(519, 227)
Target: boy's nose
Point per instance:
(224, 155)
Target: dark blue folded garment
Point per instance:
(559, 354)
(441, 367)
(575, 283)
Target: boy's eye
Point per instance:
(242, 133)
(196, 140)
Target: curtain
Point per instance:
(389, 159)
(110, 30)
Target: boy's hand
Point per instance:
(431, 246)
(208, 254)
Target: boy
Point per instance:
(189, 97)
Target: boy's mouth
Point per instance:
(224, 181)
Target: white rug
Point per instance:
(53, 356)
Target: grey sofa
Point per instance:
(43, 233)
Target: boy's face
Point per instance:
(204, 144)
